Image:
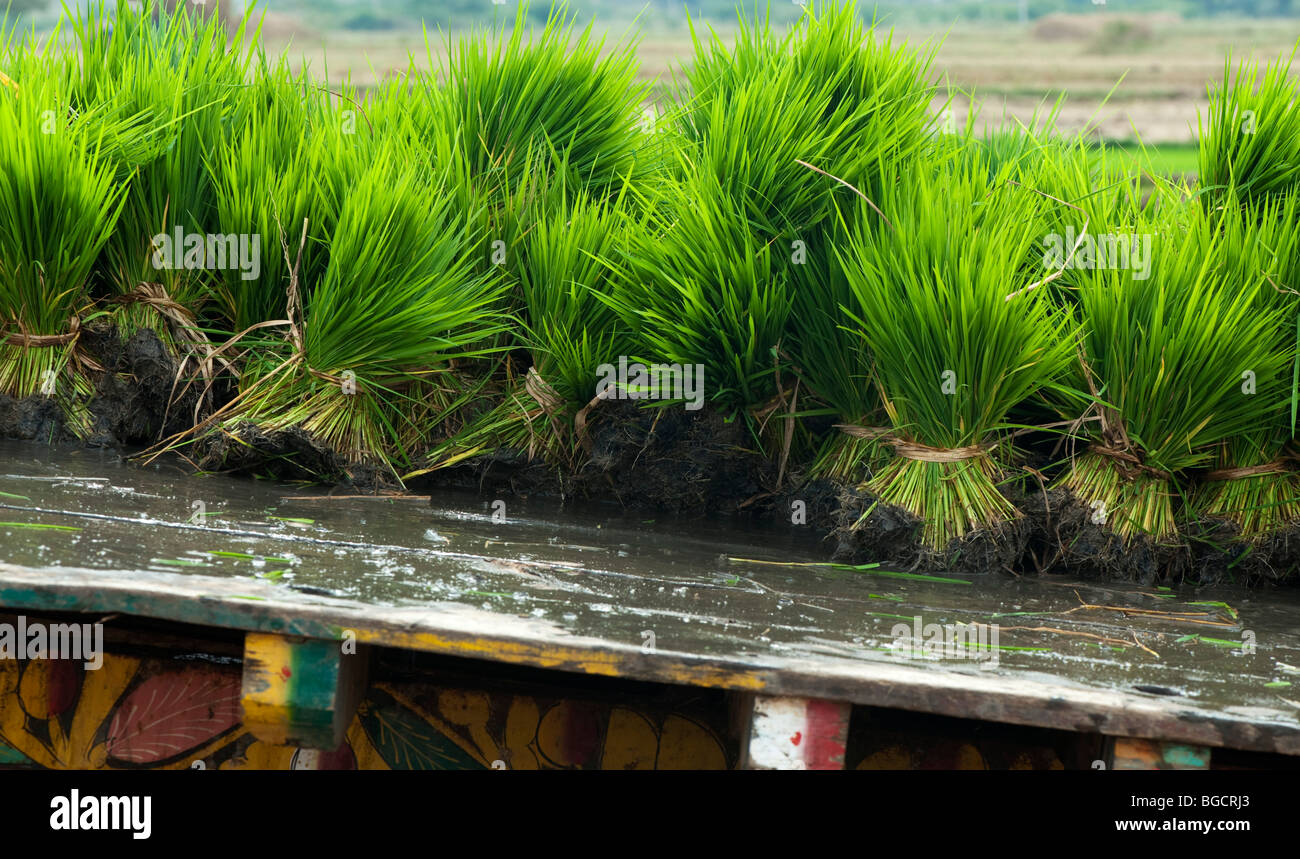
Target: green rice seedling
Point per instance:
(412, 110)
(873, 95)
(710, 280)
(1166, 356)
(958, 341)
(770, 138)
(1250, 136)
(289, 165)
(832, 94)
(699, 286)
(58, 206)
(718, 69)
(175, 69)
(1095, 198)
(554, 90)
(833, 360)
(569, 330)
(560, 270)
(1252, 484)
(397, 302)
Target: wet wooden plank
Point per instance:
(687, 652)
(658, 602)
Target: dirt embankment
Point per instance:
(658, 459)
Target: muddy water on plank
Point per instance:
(703, 588)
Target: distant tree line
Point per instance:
(386, 14)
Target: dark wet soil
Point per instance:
(1218, 556)
(134, 401)
(33, 418)
(1066, 538)
(871, 531)
(137, 400)
(667, 460)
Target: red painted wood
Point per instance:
(828, 730)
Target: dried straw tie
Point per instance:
(24, 340)
(44, 341)
(297, 327)
(1277, 466)
(181, 322)
(1115, 443)
(1130, 460)
(553, 405)
(915, 450)
(541, 391)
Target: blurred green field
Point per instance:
(1166, 159)
(1125, 75)
(1147, 85)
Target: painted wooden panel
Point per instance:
(301, 692)
(1136, 754)
(797, 733)
(159, 713)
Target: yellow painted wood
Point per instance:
(543, 655)
(301, 692)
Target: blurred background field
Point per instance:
(1136, 72)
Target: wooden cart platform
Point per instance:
(776, 655)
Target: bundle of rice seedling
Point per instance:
(540, 131)
(1249, 501)
(288, 165)
(174, 70)
(1075, 192)
(560, 271)
(570, 331)
(1249, 170)
(1250, 137)
(1180, 359)
(834, 362)
(550, 91)
(959, 340)
(774, 136)
(869, 91)
(397, 302)
(58, 206)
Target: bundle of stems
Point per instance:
(289, 162)
(175, 71)
(570, 331)
(58, 206)
(1253, 484)
(957, 339)
(559, 270)
(833, 360)
(558, 90)
(397, 304)
(1250, 136)
(1180, 362)
(1248, 161)
(769, 139)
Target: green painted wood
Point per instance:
(301, 692)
